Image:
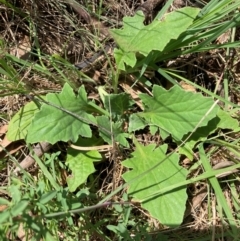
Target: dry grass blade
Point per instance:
(225, 164)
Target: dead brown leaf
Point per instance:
(4, 143)
(3, 130)
(23, 49)
(187, 87)
(7, 147)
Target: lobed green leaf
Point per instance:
(168, 208)
(51, 124)
(81, 165)
(135, 37)
(177, 111)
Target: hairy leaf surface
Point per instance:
(117, 104)
(81, 165)
(19, 124)
(135, 37)
(223, 120)
(168, 208)
(177, 111)
(114, 131)
(51, 124)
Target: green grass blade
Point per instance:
(46, 173)
(218, 191)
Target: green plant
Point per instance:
(155, 178)
(74, 119)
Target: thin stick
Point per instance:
(92, 148)
(89, 208)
